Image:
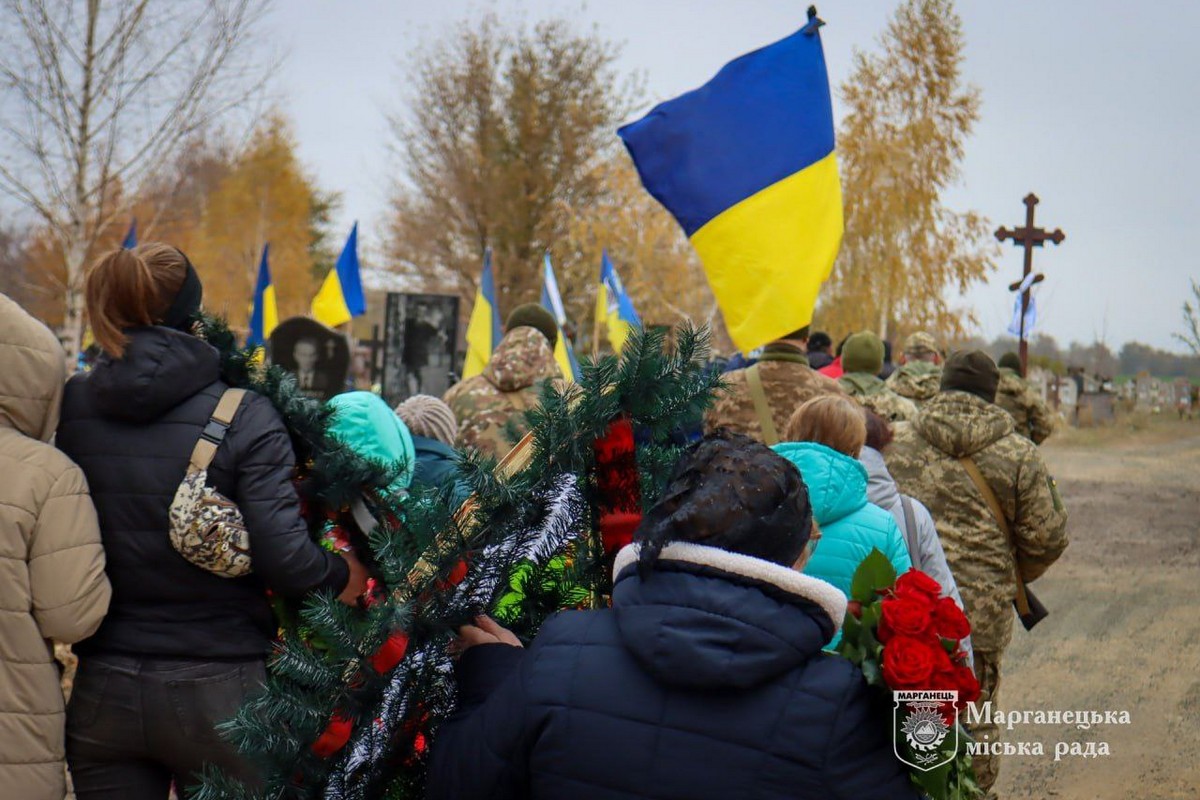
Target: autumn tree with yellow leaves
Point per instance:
(906, 257)
(503, 143)
(220, 204)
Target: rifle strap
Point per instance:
(762, 407)
(993, 503)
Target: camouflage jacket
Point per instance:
(924, 460)
(1032, 416)
(509, 385)
(874, 394)
(787, 382)
(919, 381)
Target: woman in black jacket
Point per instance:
(181, 647)
(704, 680)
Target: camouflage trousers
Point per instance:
(987, 767)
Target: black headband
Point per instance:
(186, 305)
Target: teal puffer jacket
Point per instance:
(850, 526)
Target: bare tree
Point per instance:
(1191, 321)
(96, 98)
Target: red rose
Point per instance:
(917, 585)
(949, 621)
(968, 684)
(335, 736)
(910, 663)
(906, 616)
(854, 609)
(391, 653)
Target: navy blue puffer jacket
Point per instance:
(706, 680)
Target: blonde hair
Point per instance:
(832, 420)
(129, 288)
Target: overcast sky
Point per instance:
(1091, 104)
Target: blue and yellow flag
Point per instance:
(614, 306)
(341, 296)
(746, 164)
(265, 314)
(483, 331)
(564, 354)
(130, 241)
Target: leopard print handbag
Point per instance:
(206, 527)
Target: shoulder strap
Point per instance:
(993, 503)
(910, 532)
(214, 432)
(761, 406)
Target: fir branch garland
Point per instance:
(540, 525)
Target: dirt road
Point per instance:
(1124, 630)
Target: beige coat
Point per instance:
(52, 582)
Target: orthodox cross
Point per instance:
(1028, 237)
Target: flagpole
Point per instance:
(596, 326)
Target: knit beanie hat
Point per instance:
(1010, 361)
(971, 371)
(426, 415)
(863, 352)
(531, 315)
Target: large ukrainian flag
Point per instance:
(483, 330)
(341, 296)
(265, 314)
(746, 164)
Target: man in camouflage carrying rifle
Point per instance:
(995, 505)
(759, 400)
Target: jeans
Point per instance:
(135, 725)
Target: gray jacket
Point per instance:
(882, 491)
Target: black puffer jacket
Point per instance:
(704, 681)
(131, 425)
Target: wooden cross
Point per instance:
(1028, 237)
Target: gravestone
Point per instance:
(319, 357)
(420, 340)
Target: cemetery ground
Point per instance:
(1124, 628)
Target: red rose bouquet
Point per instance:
(907, 639)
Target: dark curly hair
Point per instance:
(731, 492)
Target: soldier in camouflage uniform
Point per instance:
(862, 361)
(920, 372)
(925, 459)
(491, 406)
(786, 380)
(1032, 416)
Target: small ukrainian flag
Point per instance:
(341, 297)
(746, 164)
(483, 330)
(614, 306)
(564, 354)
(265, 314)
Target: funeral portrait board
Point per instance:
(420, 341)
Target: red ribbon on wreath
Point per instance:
(619, 485)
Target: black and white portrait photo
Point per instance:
(317, 356)
(421, 338)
